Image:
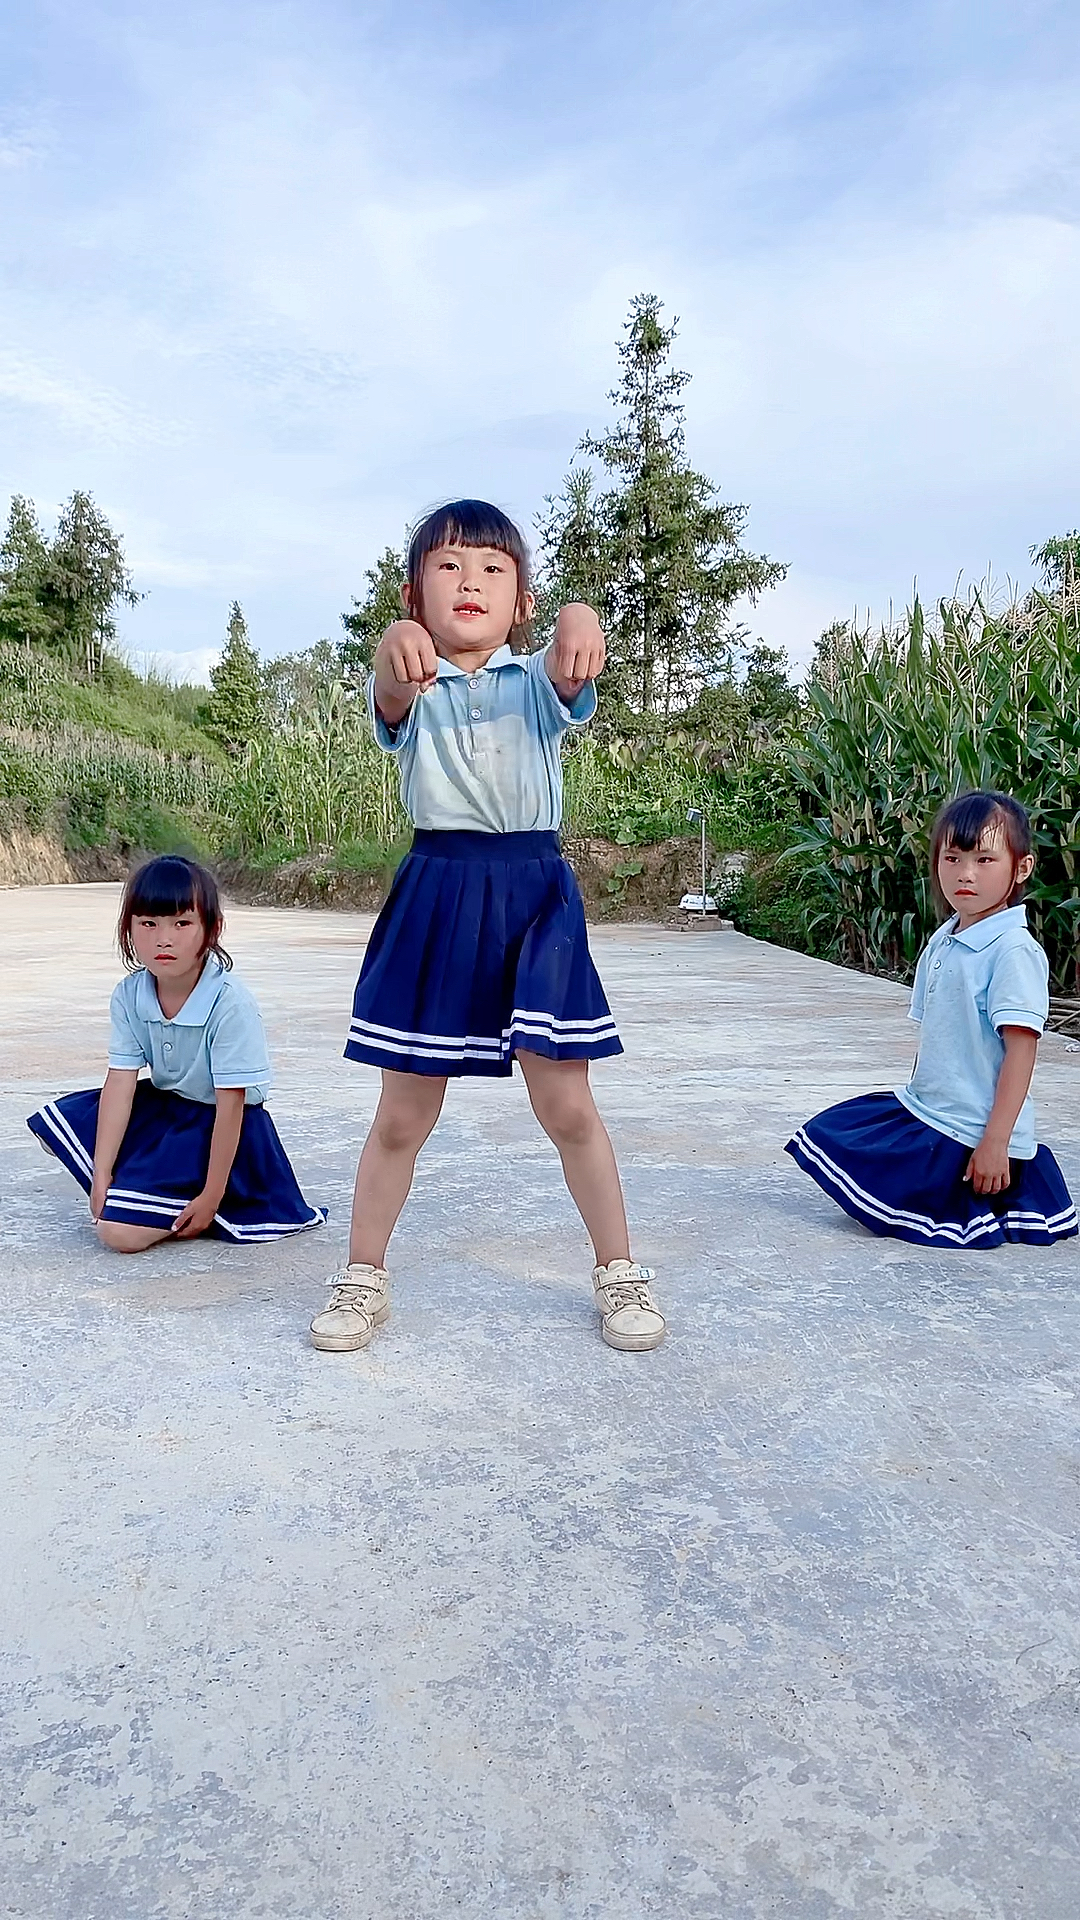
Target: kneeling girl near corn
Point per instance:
(951, 1159)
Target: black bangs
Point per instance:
(970, 819)
(468, 523)
(966, 820)
(164, 888)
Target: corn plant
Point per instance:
(901, 720)
(97, 785)
(315, 783)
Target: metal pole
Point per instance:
(693, 816)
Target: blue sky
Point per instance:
(274, 278)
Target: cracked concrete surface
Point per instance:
(493, 1621)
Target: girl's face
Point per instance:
(470, 598)
(170, 945)
(978, 881)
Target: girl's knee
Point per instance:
(401, 1126)
(568, 1116)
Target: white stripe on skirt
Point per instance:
(446, 1046)
(976, 1229)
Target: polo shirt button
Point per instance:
(474, 683)
(937, 965)
(475, 713)
(167, 1044)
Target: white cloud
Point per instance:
(353, 274)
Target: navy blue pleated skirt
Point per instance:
(163, 1159)
(906, 1180)
(481, 949)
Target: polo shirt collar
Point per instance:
(985, 932)
(502, 657)
(199, 1004)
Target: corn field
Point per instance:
(101, 784)
(320, 782)
(892, 725)
(316, 784)
(900, 721)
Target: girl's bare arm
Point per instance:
(114, 1112)
(224, 1140)
(988, 1168)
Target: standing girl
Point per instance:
(480, 954)
(950, 1160)
(192, 1149)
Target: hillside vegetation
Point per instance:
(826, 793)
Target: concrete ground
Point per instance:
(493, 1621)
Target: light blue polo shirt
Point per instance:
(481, 752)
(967, 987)
(216, 1039)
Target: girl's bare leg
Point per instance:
(562, 1101)
(408, 1109)
(124, 1239)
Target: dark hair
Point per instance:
(471, 523)
(969, 820)
(167, 886)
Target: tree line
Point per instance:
(62, 595)
(635, 530)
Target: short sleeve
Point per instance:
(918, 990)
(581, 708)
(238, 1052)
(390, 739)
(127, 1049)
(1018, 992)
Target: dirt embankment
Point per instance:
(617, 883)
(37, 860)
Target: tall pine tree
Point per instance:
(24, 562)
(236, 712)
(86, 580)
(659, 553)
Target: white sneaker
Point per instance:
(629, 1316)
(358, 1304)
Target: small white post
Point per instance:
(694, 814)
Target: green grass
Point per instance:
(40, 693)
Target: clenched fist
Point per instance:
(577, 653)
(406, 658)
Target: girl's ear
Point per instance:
(1024, 869)
(526, 607)
(405, 596)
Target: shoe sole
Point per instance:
(633, 1343)
(337, 1343)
